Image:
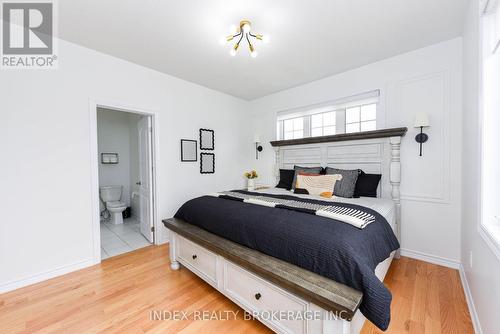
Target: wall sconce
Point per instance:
(421, 121)
(258, 148)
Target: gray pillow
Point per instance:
(308, 170)
(346, 186)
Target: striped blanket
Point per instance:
(355, 217)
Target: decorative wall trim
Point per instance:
(443, 196)
(393, 132)
(45, 275)
(470, 302)
(454, 264)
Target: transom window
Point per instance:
(346, 116)
(361, 118)
(323, 124)
(294, 128)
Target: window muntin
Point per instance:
(293, 128)
(361, 118)
(346, 115)
(323, 124)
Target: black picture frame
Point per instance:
(202, 160)
(185, 159)
(203, 144)
(108, 158)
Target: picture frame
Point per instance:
(207, 139)
(189, 150)
(109, 158)
(207, 163)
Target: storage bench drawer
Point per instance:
(258, 295)
(200, 260)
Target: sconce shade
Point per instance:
(256, 139)
(421, 120)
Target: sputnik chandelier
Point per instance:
(244, 34)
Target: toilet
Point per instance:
(111, 196)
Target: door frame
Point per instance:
(94, 167)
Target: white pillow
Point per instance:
(318, 185)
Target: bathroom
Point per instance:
(124, 148)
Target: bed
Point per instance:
(246, 283)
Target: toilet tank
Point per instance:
(110, 193)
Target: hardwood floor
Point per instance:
(118, 296)
(427, 298)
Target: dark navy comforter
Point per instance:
(328, 247)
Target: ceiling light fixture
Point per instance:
(244, 31)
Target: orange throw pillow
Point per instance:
(318, 185)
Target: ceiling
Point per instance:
(309, 39)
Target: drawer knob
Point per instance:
(195, 256)
(258, 295)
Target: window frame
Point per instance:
(293, 125)
(340, 118)
(334, 112)
(487, 233)
(360, 122)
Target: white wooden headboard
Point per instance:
(374, 152)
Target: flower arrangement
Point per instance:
(251, 175)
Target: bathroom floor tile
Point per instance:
(105, 230)
(135, 240)
(114, 243)
(122, 238)
(139, 244)
(104, 255)
(119, 250)
(117, 228)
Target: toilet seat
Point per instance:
(115, 205)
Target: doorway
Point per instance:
(126, 181)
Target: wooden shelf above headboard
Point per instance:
(393, 132)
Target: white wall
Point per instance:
(46, 225)
(428, 79)
(484, 272)
(116, 135)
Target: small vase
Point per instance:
(250, 184)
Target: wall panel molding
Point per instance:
(428, 93)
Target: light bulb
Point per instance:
(233, 29)
(246, 28)
(253, 54)
(265, 39)
(232, 52)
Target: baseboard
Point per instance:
(470, 301)
(431, 258)
(16, 284)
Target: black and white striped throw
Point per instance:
(355, 217)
